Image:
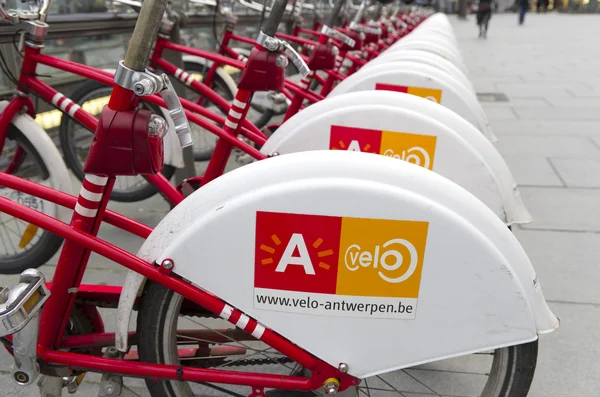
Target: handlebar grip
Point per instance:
(275, 17)
(144, 34)
(335, 12)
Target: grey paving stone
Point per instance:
(546, 84)
(532, 171)
(563, 113)
(567, 363)
(574, 102)
(530, 103)
(563, 209)
(566, 263)
(495, 114)
(548, 146)
(578, 172)
(546, 128)
(540, 92)
(584, 92)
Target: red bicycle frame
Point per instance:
(66, 288)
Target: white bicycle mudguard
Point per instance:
(58, 174)
(409, 128)
(420, 80)
(436, 48)
(427, 58)
(358, 259)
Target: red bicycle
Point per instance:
(328, 352)
(26, 245)
(75, 141)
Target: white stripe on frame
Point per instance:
(258, 331)
(226, 312)
(81, 210)
(230, 124)
(96, 180)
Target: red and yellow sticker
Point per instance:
(328, 265)
(414, 148)
(433, 94)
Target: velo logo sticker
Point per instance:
(414, 148)
(432, 94)
(327, 265)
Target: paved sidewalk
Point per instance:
(549, 132)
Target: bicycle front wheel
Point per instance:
(172, 333)
(22, 244)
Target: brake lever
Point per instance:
(275, 44)
(176, 112)
(336, 34)
(296, 59)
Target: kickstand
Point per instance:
(112, 385)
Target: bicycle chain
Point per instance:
(215, 360)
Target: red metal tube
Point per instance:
(163, 185)
(243, 39)
(207, 55)
(175, 372)
(148, 270)
(69, 201)
(297, 39)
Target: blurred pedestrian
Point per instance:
(484, 13)
(523, 6)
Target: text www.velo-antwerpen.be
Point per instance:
(321, 305)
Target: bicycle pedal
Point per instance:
(19, 304)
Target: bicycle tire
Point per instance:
(511, 373)
(48, 244)
(73, 160)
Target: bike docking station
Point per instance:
(379, 207)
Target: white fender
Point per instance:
(421, 80)
(438, 23)
(59, 177)
(427, 58)
(438, 30)
(435, 37)
(451, 278)
(410, 128)
(436, 48)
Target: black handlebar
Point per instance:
(275, 17)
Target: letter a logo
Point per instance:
(296, 241)
(354, 146)
(296, 252)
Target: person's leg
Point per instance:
(485, 25)
(521, 13)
